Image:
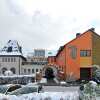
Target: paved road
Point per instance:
(60, 89)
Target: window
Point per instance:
(8, 59)
(28, 70)
(2, 59)
(40, 70)
(73, 52)
(9, 49)
(13, 70)
(32, 70)
(36, 70)
(5, 59)
(24, 70)
(3, 70)
(14, 59)
(11, 59)
(85, 53)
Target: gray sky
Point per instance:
(46, 24)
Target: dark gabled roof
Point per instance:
(62, 47)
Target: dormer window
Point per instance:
(9, 49)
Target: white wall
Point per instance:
(33, 66)
(8, 65)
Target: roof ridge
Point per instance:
(91, 29)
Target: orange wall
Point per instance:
(60, 60)
(83, 42)
(51, 60)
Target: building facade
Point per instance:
(31, 68)
(11, 63)
(39, 52)
(77, 57)
(34, 64)
(11, 58)
(51, 60)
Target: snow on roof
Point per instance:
(11, 48)
(11, 53)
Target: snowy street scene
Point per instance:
(49, 50)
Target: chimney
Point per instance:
(92, 29)
(78, 34)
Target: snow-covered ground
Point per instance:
(98, 98)
(43, 80)
(60, 89)
(43, 96)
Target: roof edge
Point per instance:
(91, 29)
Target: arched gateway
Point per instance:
(50, 71)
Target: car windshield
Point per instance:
(24, 90)
(3, 89)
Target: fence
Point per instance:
(17, 79)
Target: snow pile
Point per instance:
(43, 80)
(63, 83)
(43, 96)
(8, 73)
(93, 84)
(89, 91)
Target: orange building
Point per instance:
(51, 60)
(77, 57)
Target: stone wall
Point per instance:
(16, 79)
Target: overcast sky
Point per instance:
(46, 24)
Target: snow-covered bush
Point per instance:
(8, 73)
(96, 71)
(88, 92)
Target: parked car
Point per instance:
(5, 89)
(26, 90)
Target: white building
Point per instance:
(31, 68)
(33, 65)
(11, 58)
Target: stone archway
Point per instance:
(49, 71)
(13, 70)
(3, 70)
